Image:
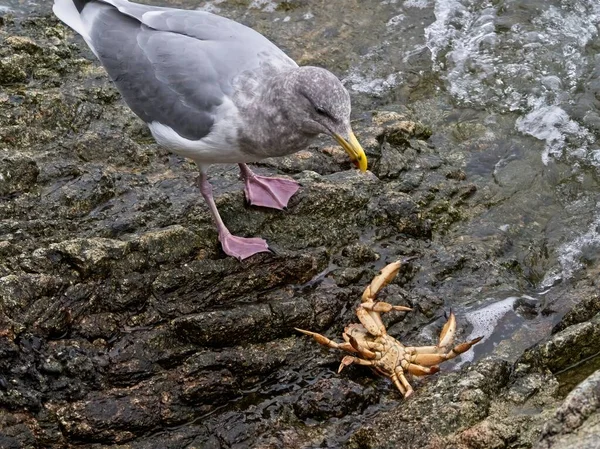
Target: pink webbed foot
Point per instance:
(241, 247)
(267, 192)
(270, 192)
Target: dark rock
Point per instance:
(253, 323)
(359, 254)
(109, 419)
(23, 43)
(11, 71)
(565, 348)
(575, 422)
(582, 311)
(17, 174)
(328, 398)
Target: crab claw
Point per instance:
(318, 337)
(362, 350)
(464, 347)
(346, 361)
(381, 307)
(388, 273)
(321, 339)
(448, 331)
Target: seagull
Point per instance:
(217, 92)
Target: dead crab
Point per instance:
(382, 352)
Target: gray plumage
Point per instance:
(174, 67)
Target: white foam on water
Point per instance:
(374, 86)
(421, 4)
(5, 8)
(364, 78)
(466, 38)
(484, 321)
(538, 66)
(553, 125)
(571, 253)
(532, 68)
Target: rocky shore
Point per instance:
(122, 324)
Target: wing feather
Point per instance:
(172, 66)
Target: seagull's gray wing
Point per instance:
(198, 24)
(174, 67)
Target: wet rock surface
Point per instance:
(122, 324)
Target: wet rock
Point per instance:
(360, 254)
(11, 71)
(87, 256)
(401, 212)
(323, 161)
(401, 131)
(16, 432)
(487, 434)
(23, 43)
(576, 421)
(168, 245)
(199, 284)
(525, 387)
(348, 276)
(460, 400)
(87, 192)
(333, 397)
(392, 163)
(583, 311)
(100, 325)
(245, 360)
(565, 348)
(97, 147)
(17, 174)
(19, 292)
(109, 418)
(253, 323)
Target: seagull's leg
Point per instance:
(239, 247)
(267, 192)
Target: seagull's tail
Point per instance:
(69, 12)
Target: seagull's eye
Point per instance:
(321, 111)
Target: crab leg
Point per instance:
(349, 360)
(406, 393)
(322, 340)
(434, 359)
(419, 370)
(361, 349)
(399, 374)
(433, 355)
(371, 321)
(368, 314)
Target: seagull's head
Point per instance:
(322, 105)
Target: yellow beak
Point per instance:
(354, 150)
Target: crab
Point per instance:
(374, 347)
